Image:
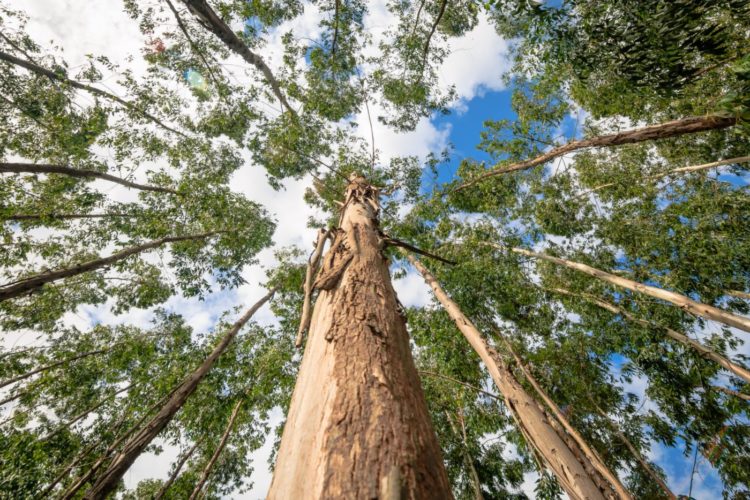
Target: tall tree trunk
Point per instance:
(579, 481)
(637, 454)
(685, 303)
(33, 282)
(591, 454)
(178, 467)
(689, 125)
(36, 168)
(358, 425)
(107, 482)
(222, 443)
(683, 339)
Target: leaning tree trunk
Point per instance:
(109, 479)
(358, 425)
(575, 473)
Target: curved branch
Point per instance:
(44, 168)
(59, 76)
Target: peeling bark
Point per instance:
(578, 480)
(358, 426)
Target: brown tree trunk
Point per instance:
(689, 125)
(358, 426)
(35, 168)
(683, 339)
(578, 477)
(107, 482)
(222, 443)
(178, 467)
(685, 303)
(33, 282)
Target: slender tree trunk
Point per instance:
(591, 454)
(637, 454)
(689, 125)
(36, 168)
(474, 476)
(683, 339)
(25, 285)
(731, 392)
(61, 77)
(178, 467)
(358, 426)
(26, 375)
(107, 482)
(222, 443)
(739, 294)
(685, 303)
(312, 269)
(579, 481)
(681, 170)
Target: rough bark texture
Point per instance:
(107, 482)
(38, 168)
(681, 301)
(689, 125)
(217, 452)
(704, 351)
(579, 481)
(25, 285)
(358, 426)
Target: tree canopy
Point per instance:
(598, 237)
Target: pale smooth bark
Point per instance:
(222, 443)
(689, 125)
(33, 282)
(109, 479)
(312, 269)
(680, 170)
(739, 294)
(683, 339)
(358, 425)
(577, 480)
(39, 168)
(685, 303)
(591, 454)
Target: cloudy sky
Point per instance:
(475, 67)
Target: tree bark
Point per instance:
(739, 294)
(33, 282)
(689, 125)
(61, 77)
(681, 301)
(358, 425)
(216, 25)
(541, 436)
(222, 443)
(312, 269)
(39, 168)
(591, 454)
(683, 339)
(178, 467)
(107, 482)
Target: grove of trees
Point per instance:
(563, 269)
